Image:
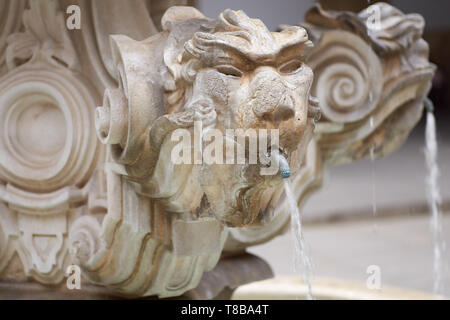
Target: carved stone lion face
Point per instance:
(239, 75)
(256, 80)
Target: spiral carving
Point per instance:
(84, 239)
(128, 110)
(348, 77)
(111, 120)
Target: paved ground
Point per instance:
(399, 181)
(400, 246)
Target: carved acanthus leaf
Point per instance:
(45, 36)
(385, 27)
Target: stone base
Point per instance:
(218, 283)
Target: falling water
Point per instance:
(372, 169)
(434, 197)
(302, 262)
(371, 122)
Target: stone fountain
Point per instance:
(98, 190)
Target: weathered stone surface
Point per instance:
(96, 186)
(227, 73)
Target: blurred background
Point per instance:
(371, 213)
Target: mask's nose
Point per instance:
(271, 100)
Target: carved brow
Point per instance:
(236, 59)
(244, 61)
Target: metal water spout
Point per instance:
(282, 162)
(429, 106)
(285, 171)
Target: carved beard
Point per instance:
(232, 190)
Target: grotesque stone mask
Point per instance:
(236, 74)
(255, 78)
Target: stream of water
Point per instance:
(373, 175)
(434, 201)
(302, 261)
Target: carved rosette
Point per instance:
(38, 96)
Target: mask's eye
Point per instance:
(290, 67)
(229, 70)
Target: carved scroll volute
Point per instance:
(124, 119)
(348, 77)
(140, 249)
(370, 78)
